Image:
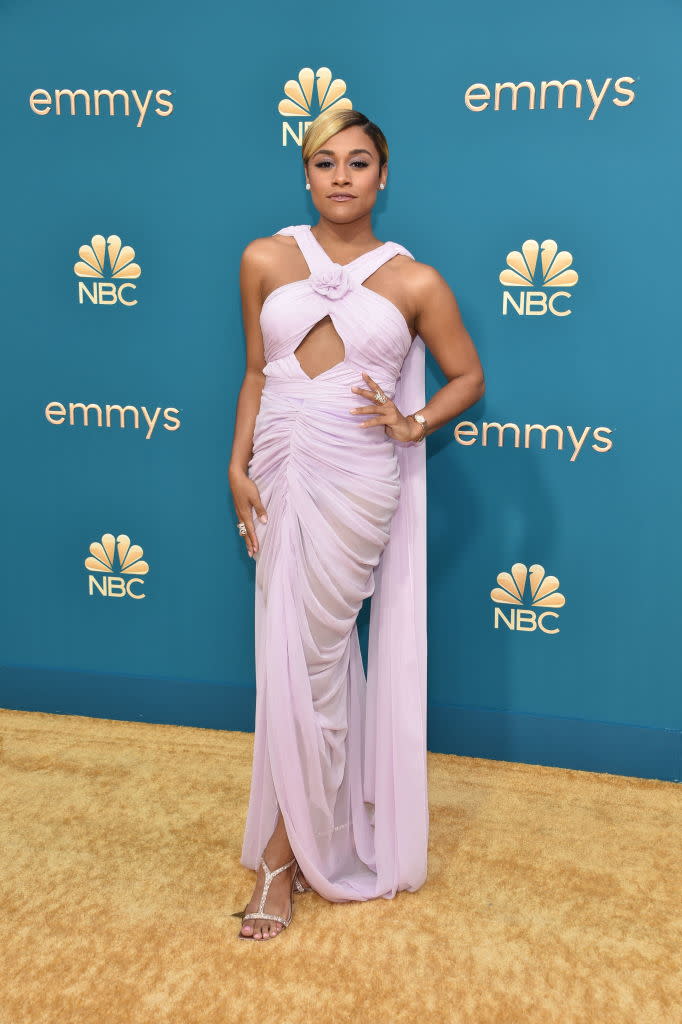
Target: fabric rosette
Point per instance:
(334, 282)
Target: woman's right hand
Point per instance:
(246, 497)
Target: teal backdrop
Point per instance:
(546, 132)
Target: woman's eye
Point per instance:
(357, 163)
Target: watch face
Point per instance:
(419, 418)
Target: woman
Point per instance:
(338, 798)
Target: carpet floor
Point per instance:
(553, 895)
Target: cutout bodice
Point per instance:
(375, 333)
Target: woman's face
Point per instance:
(348, 163)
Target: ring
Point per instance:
(380, 396)
(242, 528)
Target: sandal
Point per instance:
(298, 884)
(269, 875)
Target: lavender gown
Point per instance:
(343, 756)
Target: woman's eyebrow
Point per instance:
(350, 152)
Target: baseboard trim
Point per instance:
(495, 733)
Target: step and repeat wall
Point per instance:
(534, 161)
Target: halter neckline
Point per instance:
(328, 257)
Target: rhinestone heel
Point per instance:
(269, 875)
(298, 884)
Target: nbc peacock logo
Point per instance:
(307, 96)
(522, 272)
(116, 567)
(104, 258)
(532, 587)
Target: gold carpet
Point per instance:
(552, 896)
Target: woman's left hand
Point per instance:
(386, 414)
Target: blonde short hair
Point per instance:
(329, 122)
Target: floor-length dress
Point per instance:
(342, 755)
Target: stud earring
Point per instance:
(381, 186)
(307, 184)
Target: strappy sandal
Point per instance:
(269, 875)
(298, 884)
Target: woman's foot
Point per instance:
(277, 901)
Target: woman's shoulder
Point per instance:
(418, 281)
(414, 269)
(409, 266)
(260, 250)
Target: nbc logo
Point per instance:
(108, 579)
(543, 595)
(92, 265)
(306, 97)
(553, 272)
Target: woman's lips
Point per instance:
(341, 199)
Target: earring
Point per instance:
(381, 186)
(307, 184)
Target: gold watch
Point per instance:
(421, 420)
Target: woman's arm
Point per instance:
(438, 322)
(244, 491)
(248, 402)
